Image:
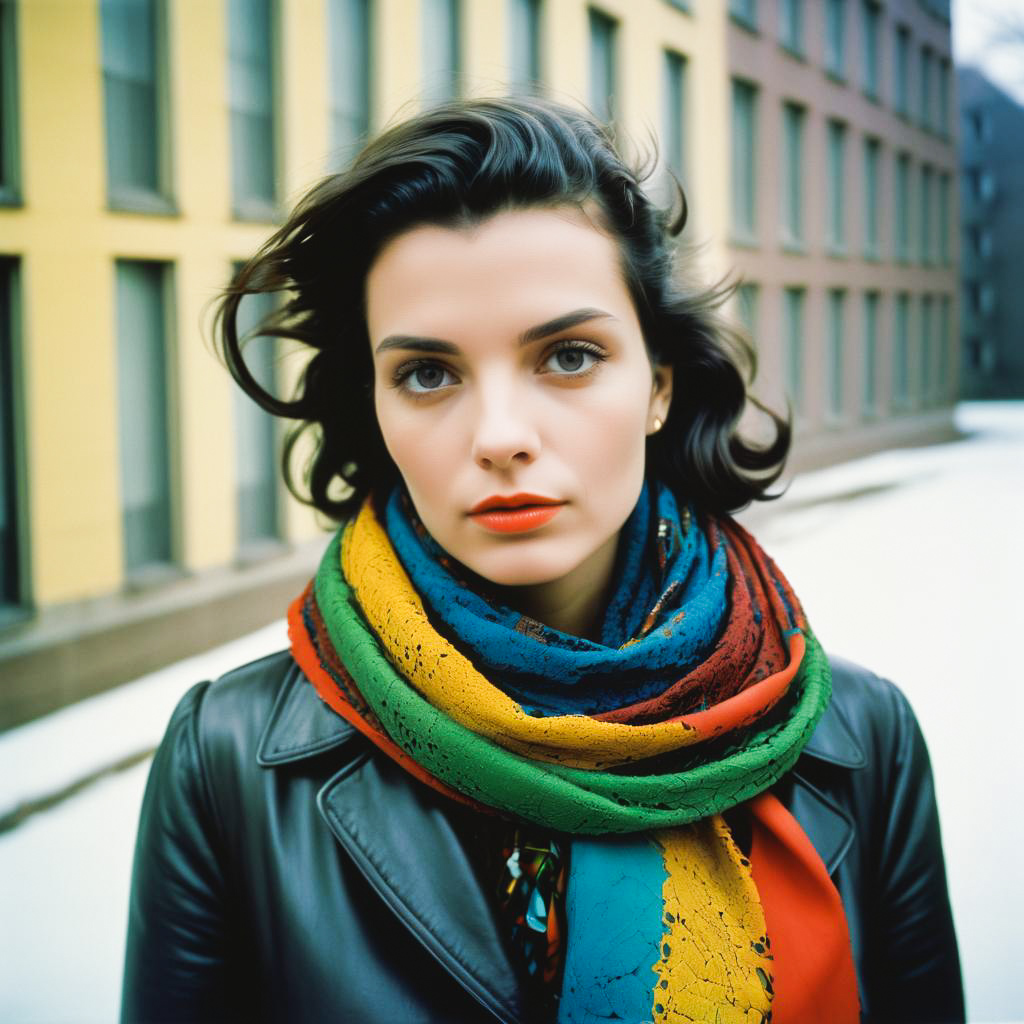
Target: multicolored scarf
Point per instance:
(703, 687)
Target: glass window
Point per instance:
(927, 65)
(441, 51)
(900, 344)
(603, 72)
(901, 208)
(747, 296)
(744, 163)
(836, 310)
(835, 16)
(925, 221)
(674, 108)
(524, 45)
(793, 119)
(142, 366)
(927, 340)
(132, 101)
(944, 109)
(348, 61)
(870, 390)
(872, 197)
(11, 592)
(945, 192)
(251, 101)
(872, 24)
(791, 25)
(942, 389)
(836, 181)
(901, 71)
(793, 332)
(8, 104)
(256, 466)
(744, 11)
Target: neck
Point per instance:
(574, 603)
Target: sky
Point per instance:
(975, 25)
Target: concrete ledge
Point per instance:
(75, 651)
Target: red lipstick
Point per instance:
(515, 513)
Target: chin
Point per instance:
(517, 567)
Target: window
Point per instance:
(8, 104)
(255, 434)
(791, 25)
(11, 582)
(901, 205)
(927, 65)
(793, 332)
(524, 45)
(836, 309)
(744, 170)
(926, 348)
(251, 102)
(835, 58)
(872, 197)
(142, 366)
(980, 125)
(872, 22)
(793, 118)
(133, 97)
(942, 387)
(745, 12)
(836, 179)
(348, 61)
(870, 392)
(945, 193)
(674, 107)
(925, 222)
(900, 354)
(944, 109)
(440, 51)
(747, 304)
(603, 72)
(901, 72)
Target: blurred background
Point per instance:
(859, 162)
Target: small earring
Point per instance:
(658, 424)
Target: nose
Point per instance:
(504, 435)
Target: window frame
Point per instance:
(10, 112)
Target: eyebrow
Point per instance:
(530, 335)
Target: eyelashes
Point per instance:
(431, 375)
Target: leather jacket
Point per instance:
(286, 870)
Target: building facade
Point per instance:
(992, 247)
(149, 146)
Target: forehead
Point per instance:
(518, 264)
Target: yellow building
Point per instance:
(147, 146)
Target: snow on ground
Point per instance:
(908, 562)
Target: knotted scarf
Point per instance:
(700, 692)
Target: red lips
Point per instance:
(515, 513)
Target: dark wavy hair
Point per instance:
(455, 165)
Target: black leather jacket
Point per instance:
(286, 870)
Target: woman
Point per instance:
(554, 740)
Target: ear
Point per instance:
(661, 396)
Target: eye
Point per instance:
(421, 377)
(574, 358)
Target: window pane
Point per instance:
(793, 117)
(602, 66)
(944, 200)
(440, 53)
(836, 309)
(927, 343)
(942, 390)
(925, 223)
(747, 303)
(835, 17)
(256, 465)
(927, 61)
(10, 576)
(901, 329)
(744, 11)
(871, 301)
(8, 102)
(872, 162)
(524, 45)
(348, 59)
(901, 219)
(794, 335)
(674, 106)
(872, 24)
(251, 99)
(791, 24)
(744, 145)
(836, 181)
(128, 30)
(943, 117)
(142, 405)
(901, 71)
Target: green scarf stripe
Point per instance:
(554, 796)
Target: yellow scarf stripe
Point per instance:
(448, 680)
(715, 960)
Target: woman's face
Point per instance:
(509, 369)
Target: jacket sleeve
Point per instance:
(917, 964)
(175, 966)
